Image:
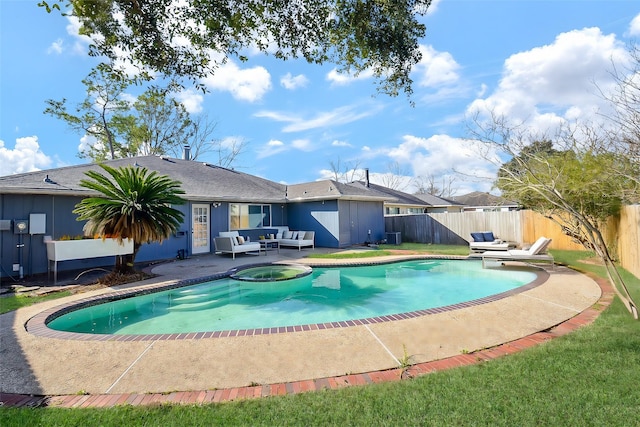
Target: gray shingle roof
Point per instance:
(435, 200)
(395, 196)
(330, 189)
(200, 181)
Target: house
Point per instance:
(401, 203)
(478, 201)
(439, 204)
(397, 202)
(218, 199)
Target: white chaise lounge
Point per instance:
(537, 252)
(228, 242)
(486, 241)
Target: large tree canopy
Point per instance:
(192, 37)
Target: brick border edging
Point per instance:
(583, 318)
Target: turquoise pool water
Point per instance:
(326, 295)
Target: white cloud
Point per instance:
(191, 99)
(433, 7)
(436, 68)
(25, 157)
(271, 148)
(336, 117)
(543, 85)
(249, 84)
(56, 47)
(81, 42)
(293, 82)
(634, 27)
(87, 142)
(302, 144)
(341, 79)
(443, 156)
(275, 146)
(338, 143)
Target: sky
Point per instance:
(542, 61)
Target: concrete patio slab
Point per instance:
(38, 365)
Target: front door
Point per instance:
(200, 241)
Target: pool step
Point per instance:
(188, 297)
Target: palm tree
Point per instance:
(134, 204)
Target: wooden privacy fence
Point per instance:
(522, 227)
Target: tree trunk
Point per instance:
(125, 263)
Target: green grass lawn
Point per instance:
(587, 378)
(384, 250)
(14, 302)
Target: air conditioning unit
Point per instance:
(394, 238)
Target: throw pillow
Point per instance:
(279, 235)
(240, 240)
(478, 237)
(287, 235)
(488, 236)
(234, 240)
(294, 235)
(301, 235)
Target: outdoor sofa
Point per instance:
(537, 252)
(231, 242)
(297, 239)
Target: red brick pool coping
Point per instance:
(583, 318)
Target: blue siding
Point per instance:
(336, 224)
(357, 218)
(321, 217)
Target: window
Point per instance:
(249, 216)
(392, 210)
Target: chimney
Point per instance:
(366, 177)
(186, 154)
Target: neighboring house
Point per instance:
(218, 199)
(478, 201)
(439, 204)
(398, 202)
(401, 203)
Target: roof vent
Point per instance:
(48, 180)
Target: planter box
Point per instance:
(64, 250)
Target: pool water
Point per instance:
(326, 295)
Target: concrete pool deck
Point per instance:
(40, 370)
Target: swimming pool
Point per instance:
(340, 295)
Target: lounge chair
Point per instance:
(228, 242)
(537, 252)
(486, 241)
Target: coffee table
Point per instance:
(267, 244)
